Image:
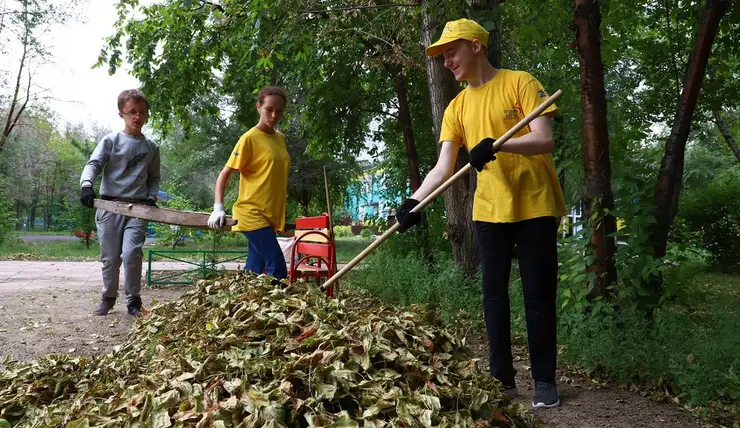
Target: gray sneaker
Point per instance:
(105, 305)
(545, 395)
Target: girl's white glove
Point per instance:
(216, 220)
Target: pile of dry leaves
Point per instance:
(239, 352)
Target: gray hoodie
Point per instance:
(130, 167)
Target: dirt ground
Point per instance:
(34, 323)
(37, 322)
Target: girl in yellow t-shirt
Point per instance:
(261, 157)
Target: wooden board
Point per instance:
(313, 237)
(192, 219)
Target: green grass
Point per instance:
(49, 250)
(348, 248)
(45, 232)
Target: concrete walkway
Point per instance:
(34, 275)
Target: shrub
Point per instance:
(7, 214)
(713, 214)
(342, 231)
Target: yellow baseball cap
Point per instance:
(460, 29)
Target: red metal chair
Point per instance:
(313, 251)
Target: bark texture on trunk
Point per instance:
(671, 168)
(305, 202)
(459, 197)
(725, 131)
(494, 36)
(404, 117)
(597, 191)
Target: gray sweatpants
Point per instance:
(121, 239)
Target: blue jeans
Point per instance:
(264, 254)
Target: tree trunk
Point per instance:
(32, 215)
(404, 117)
(671, 168)
(19, 214)
(725, 131)
(50, 200)
(494, 36)
(459, 197)
(305, 201)
(597, 192)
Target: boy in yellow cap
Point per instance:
(517, 203)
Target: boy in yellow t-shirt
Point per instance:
(261, 157)
(518, 200)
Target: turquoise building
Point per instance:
(367, 197)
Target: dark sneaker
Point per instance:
(545, 395)
(105, 305)
(134, 306)
(510, 389)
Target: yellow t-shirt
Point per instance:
(514, 187)
(263, 163)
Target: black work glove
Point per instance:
(405, 217)
(151, 202)
(482, 154)
(87, 196)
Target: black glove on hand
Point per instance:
(482, 154)
(151, 202)
(405, 217)
(87, 196)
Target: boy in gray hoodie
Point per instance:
(129, 163)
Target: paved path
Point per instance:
(49, 238)
(35, 275)
(21, 275)
(70, 237)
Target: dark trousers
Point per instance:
(536, 248)
(264, 254)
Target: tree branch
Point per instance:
(725, 131)
(214, 5)
(11, 122)
(344, 9)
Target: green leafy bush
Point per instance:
(7, 214)
(713, 214)
(342, 231)
(174, 235)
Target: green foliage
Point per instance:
(411, 280)
(367, 232)
(171, 235)
(7, 214)
(78, 218)
(691, 351)
(342, 231)
(713, 214)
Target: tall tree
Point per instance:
(459, 197)
(27, 22)
(597, 190)
(671, 169)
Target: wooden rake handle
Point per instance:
(450, 181)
